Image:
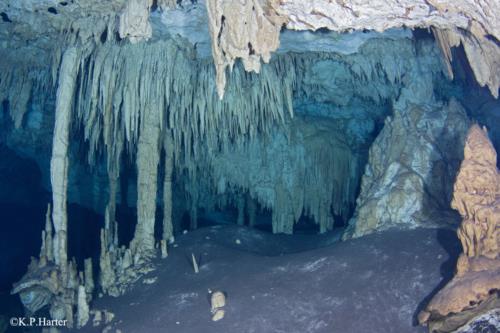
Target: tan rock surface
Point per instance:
(475, 288)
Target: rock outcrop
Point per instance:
(475, 288)
(411, 165)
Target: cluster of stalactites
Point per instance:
(305, 170)
(158, 98)
(22, 85)
(119, 85)
(249, 30)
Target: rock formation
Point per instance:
(59, 163)
(217, 304)
(245, 29)
(291, 139)
(406, 181)
(64, 291)
(475, 288)
(134, 21)
(472, 23)
(82, 313)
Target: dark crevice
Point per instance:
(222, 20)
(493, 39)
(117, 37)
(154, 5)
(52, 10)
(5, 17)
(5, 106)
(251, 51)
(104, 36)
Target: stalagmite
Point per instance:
(89, 276)
(107, 277)
(59, 162)
(168, 234)
(82, 308)
(474, 289)
(47, 249)
(163, 248)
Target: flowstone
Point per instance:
(475, 288)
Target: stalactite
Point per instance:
(240, 205)
(251, 210)
(21, 83)
(241, 29)
(59, 161)
(168, 234)
(193, 215)
(110, 214)
(305, 170)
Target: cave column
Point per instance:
(59, 162)
(148, 158)
(168, 233)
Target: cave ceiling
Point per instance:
(250, 30)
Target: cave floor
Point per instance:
(375, 284)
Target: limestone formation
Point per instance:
(410, 164)
(241, 29)
(469, 22)
(82, 308)
(250, 29)
(134, 21)
(148, 157)
(290, 140)
(53, 280)
(59, 162)
(119, 269)
(474, 289)
(168, 232)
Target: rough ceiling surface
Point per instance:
(250, 30)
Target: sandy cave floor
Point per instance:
(277, 283)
